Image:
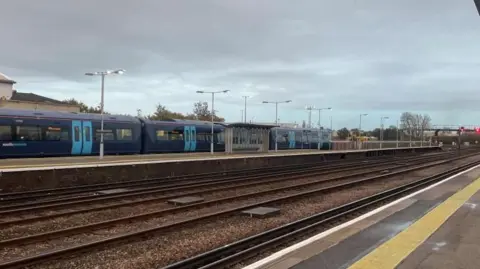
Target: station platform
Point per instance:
(44, 173)
(437, 227)
(27, 164)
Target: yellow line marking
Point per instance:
(391, 253)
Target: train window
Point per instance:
(76, 134)
(282, 138)
(5, 133)
(87, 133)
(174, 135)
(107, 135)
(29, 133)
(298, 137)
(161, 135)
(221, 138)
(65, 135)
(201, 137)
(56, 134)
(124, 134)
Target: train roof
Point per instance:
(181, 122)
(65, 115)
(248, 125)
(303, 129)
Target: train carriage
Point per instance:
(26, 133)
(180, 136)
(298, 138)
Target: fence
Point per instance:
(353, 145)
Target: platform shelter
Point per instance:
(247, 137)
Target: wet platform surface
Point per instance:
(379, 241)
(456, 244)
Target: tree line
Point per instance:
(200, 111)
(411, 126)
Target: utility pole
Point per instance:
(103, 74)
(309, 108)
(245, 109)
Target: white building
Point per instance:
(6, 87)
(12, 99)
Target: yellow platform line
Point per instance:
(391, 253)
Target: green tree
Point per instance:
(83, 107)
(343, 133)
(389, 133)
(202, 112)
(162, 113)
(356, 131)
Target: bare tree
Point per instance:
(414, 124)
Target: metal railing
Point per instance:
(359, 145)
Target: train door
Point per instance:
(291, 135)
(87, 138)
(193, 138)
(76, 137)
(187, 137)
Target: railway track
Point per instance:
(168, 211)
(171, 181)
(254, 246)
(14, 215)
(198, 187)
(281, 195)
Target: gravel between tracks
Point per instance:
(125, 211)
(158, 193)
(189, 241)
(152, 222)
(158, 185)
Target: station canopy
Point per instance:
(246, 137)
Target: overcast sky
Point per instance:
(380, 57)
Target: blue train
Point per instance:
(27, 133)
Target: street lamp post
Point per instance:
(245, 110)
(381, 129)
(310, 108)
(103, 74)
(213, 114)
(397, 133)
(276, 116)
(319, 122)
(360, 126)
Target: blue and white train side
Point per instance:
(27, 133)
